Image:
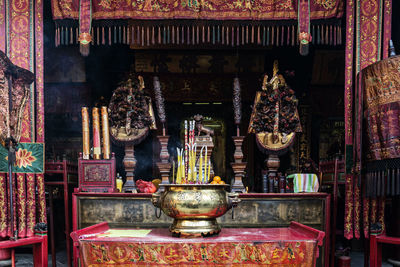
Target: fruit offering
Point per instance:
(145, 187)
(217, 180)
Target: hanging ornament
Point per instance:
(85, 21)
(304, 26)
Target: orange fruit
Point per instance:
(221, 182)
(156, 182)
(214, 182)
(217, 179)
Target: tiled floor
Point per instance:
(357, 260)
(26, 260)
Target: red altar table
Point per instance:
(296, 245)
(375, 248)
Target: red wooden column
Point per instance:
(21, 38)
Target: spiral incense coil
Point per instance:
(105, 132)
(96, 133)
(237, 105)
(85, 133)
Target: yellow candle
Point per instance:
(201, 177)
(96, 133)
(173, 172)
(208, 172)
(105, 132)
(193, 167)
(178, 166)
(205, 166)
(85, 133)
(119, 184)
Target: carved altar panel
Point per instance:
(135, 211)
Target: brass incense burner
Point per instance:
(195, 207)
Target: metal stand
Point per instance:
(272, 164)
(238, 166)
(11, 145)
(164, 166)
(130, 164)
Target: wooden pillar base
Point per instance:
(164, 166)
(164, 169)
(238, 169)
(130, 164)
(238, 166)
(271, 166)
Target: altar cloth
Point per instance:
(296, 245)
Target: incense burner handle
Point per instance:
(156, 200)
(233, 201)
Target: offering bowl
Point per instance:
(195, 207)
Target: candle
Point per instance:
(173, 172)
(119, 184)
(178, 169)
(194, 163)
(209, 169)
(85, 133)
(201, 176)
(186, 150)
(105, 132)
(189, 175)
(183, 165)
(96, 133)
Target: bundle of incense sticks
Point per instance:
(187, 172)
(200, 175)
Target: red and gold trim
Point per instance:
(19, 47)
(30, 204)
(39, 71)
(41, 213)
(387, 27)
(177, 9)
(374, 210)
(21, 205)
(348, 92)
(95, 253)
(348, 211)
(10, 229)
(3, 205)
(381, 217)
(366, 203)
(348, 113)
(357, 210)
(3, 26)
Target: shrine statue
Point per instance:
(201, 129)
(275, 118)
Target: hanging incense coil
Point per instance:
(275, 118)
(131, 112)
